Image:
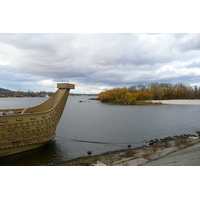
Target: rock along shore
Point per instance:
(154, 150)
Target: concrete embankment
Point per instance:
(180, 155)
(186, 157)
(180, 151)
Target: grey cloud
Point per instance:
(195, 64)
(32, 41)
(183, 79)
(110, 59)
(188, 41)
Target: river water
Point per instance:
(99, 127)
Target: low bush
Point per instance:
(167, 144)
(181, 143)
(156, 146)
(147, 156)
(129, 153)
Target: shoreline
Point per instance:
(179, 101)
(135, 156)
(118, 157)
(157, 102)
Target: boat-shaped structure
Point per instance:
(29, 128)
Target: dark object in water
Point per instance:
(89, 152)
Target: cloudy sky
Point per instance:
(95, 62)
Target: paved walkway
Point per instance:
(186, 157)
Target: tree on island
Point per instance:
(151, 91)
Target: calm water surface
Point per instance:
(97, 122)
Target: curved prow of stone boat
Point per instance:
(34, 126)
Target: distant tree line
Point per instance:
(11, 93)
(151, 91)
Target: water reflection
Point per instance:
(40, 156)
(94, 121)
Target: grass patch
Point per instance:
(171, 152)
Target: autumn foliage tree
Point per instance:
(152, 91)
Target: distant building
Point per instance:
(43, 95)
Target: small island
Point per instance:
(144, 94)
